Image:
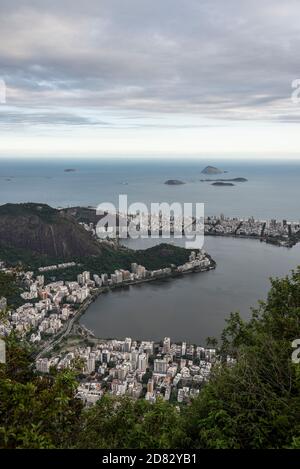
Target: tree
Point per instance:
(127, 423)
(254, 403)
(35, 411)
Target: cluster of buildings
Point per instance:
(163, 223)
(146, 224)
(278, 231)
(65, 265)
(251, 227)
(39, 320)
(145, 369)
(283, 230)
(221, 225)
(48, 307)
(197, 260)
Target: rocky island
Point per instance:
(212, 170)
(174, 182)
(225, 180)
(221, 183)
(70, 170)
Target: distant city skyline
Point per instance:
(138, 78)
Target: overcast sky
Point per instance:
(141, 77)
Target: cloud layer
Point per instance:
(229, 61)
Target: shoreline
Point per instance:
(276, 238)
(111, 288)
(172, 275)
(276, 242)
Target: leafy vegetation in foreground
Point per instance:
(254, 403)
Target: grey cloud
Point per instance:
(47, 118)
(233, 59)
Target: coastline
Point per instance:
(102, 290)
(282, 233)
(276, 242)
(111, 288)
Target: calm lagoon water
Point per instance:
(195, 306)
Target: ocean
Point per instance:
(272, 190)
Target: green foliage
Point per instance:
(110, 259)
(125, 423)
(43, 211)
(147, 376)
(35, 412)
(9, 289)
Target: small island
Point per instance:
(212, 170)
(220, 183)
(174, 182)
(70, 170)
(239, 180)
(225, 180)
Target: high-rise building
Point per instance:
(42, 365)
(113, 278)
(127, 344)
(86, 276)
(97, 280)
(104, 278)
(105, 356)
(80, 279)
(134, 359)
(142, 362)
(182, 363)
(167, 345)
(122, 372)
(126, 275)
(90, 363)
(40, 280)
(192, 256)
(150, 386)
(160, 366)
(141, 271)
(119, 276)
(167, 393)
